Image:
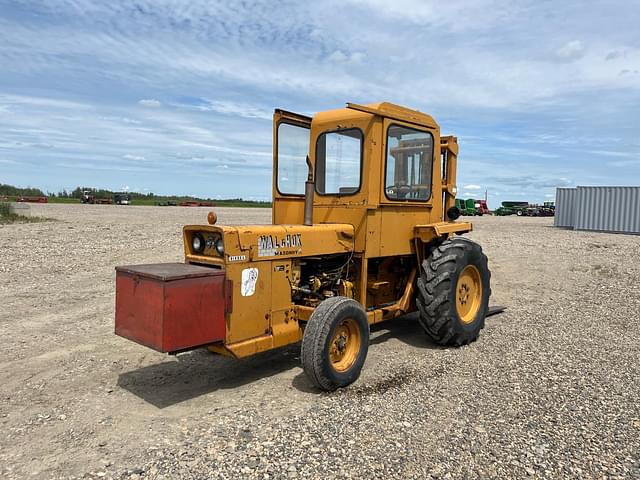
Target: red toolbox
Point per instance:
(171, 306)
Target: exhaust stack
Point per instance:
(309, 187)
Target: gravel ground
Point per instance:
(550, 390)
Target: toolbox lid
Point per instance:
(169, 271)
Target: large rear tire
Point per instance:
(335, 343)
(453, 292)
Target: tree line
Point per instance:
(76, 193)
(98, 193)
(11, 191)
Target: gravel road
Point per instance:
(550, 390)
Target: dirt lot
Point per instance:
(551, 388)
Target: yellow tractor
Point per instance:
(363, 230)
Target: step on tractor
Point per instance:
(363, 231)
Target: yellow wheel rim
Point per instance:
(345, 345)
(468, 294)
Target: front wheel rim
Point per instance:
(468, 294)
(345, 345)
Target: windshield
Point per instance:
(293, 147)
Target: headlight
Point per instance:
(219, 246)
(197, 243)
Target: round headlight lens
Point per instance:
(219, 247)
(197, 242)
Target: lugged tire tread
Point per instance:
(434, 289)
(318, 328)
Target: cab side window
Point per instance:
(339, 162)
(409, 164)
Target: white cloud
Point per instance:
(357, 57)
(472, 187)
(338, 56)
(232, 108)
(625, 164)
(611, 153)
(133, 157)
(571, 50)
(150, 103)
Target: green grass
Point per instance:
(6, 217)
(216, 203)
(141, 201)
(241, 203)
(63, 200)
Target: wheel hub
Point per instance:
(468, 293)
(463, 293)
(345, 345)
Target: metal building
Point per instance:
(565, 214)
(606, 209)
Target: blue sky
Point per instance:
(177, 96)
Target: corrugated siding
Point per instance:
(612, 209)
(565, 207)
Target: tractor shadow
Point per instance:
(200, 372)
(190, 375)
(406, 329)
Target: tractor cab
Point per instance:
(379, 167)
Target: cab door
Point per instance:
(291, 133)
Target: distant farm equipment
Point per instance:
(466, 207)
(32, 199)
(471, 207)
(548, 209)
(121, 198)
(512, 208)
(89, 198)
(525, 209)
(482, 208)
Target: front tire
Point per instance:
(335, 343)
(453, 292)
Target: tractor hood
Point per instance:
(267, 242)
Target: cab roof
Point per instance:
(382, 109)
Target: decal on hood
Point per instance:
(274, 245)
